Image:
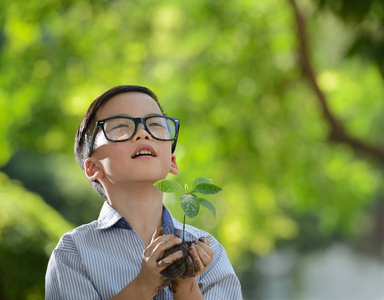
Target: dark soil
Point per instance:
(181, 268)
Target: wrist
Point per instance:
(145, 287)
(135, 290)
(182, 286)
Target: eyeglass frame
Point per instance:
(142, 120)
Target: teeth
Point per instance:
(144, 152)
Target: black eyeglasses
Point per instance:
(121, 129)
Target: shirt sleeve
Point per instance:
(220, 281)
(65, 277)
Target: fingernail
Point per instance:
(178, 240)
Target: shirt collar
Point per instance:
(167, 222)
(109, 217)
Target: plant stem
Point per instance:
(183, 227)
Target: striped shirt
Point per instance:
(97, 260)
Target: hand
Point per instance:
(152, 262)
(202, 256)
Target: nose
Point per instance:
(142, 133)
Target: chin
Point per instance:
(150, 178)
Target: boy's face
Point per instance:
(118, 160)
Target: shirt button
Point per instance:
(124, 224)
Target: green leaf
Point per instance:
(199, 180)
(207, 188)
(190, 205)
(208, 205)
(168, 186)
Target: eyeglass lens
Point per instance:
(118, 129)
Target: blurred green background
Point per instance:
(289, 124)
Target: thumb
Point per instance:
(158, 232)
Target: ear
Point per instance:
(174, 168)
(92, 171)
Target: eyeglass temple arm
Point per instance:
(92, 140)
(175, 141)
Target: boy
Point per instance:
(124, 145)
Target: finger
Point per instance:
(190, 272)
(204, 255)
(206, 248)
(197, 263)
(165, 242)
(158, 232)
(170, 259)
(205, 240)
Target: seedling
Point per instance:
(190, 202)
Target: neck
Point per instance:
(141, 204)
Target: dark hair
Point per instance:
(87, 125)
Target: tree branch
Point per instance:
(337, 131)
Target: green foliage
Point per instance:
(208, 205)
(168, 186)
(229, 72)
(29, 230)
(366, 18)
(206, 188)
(190, 203)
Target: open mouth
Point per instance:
(144, 151)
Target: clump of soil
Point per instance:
(181, 268)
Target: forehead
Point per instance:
(134, 104)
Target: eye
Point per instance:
(118, 126)
(154, 124)
(157, 122)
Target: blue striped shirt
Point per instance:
(97, 260)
